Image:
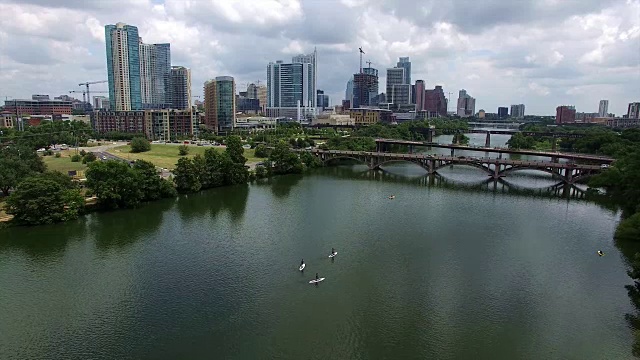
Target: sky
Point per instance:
(542, 53)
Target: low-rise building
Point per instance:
(623, 122)
(364, 116)
(38, 107)
(120, 121)
(160, 124)
(171, 124)
(6, 120)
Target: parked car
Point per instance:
(604, 166)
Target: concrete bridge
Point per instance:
(496, 168)
(383, 144)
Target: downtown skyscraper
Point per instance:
(155, 69)
(220, 104)
(179, 89)
(123, 67)
(466, 104)
(138, 73)
(292, 87)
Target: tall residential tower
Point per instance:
(123, 67)
(220, 103)
(179, 89)
(603, 109)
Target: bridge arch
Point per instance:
(340, 157)
(424, 166)
(472, 164)
(515, 168)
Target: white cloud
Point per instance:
(538, 89)
(540, 53)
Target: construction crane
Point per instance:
(361, 52)
(369, 63)
(86, 84)
(84, 97)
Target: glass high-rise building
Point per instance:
(123, 67)
(155, 69)
(179, 89)
(220, 103)
(291, 87)
(406, 65)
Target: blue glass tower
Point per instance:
(123, 67)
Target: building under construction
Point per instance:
(365, 88)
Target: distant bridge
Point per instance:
(382, 145)
(496, 168)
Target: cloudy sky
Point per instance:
(542, 53)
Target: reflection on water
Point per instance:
(120, 229)
(281, 185)
(229, 198)
(49, 246)
(464, 179)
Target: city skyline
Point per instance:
(552, 54)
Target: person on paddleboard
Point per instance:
(333, 251)
(302, 262)
(316, 276)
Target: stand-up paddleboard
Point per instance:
(334, 254)
(302, 266)
(314, 281)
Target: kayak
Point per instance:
(314, 281)
(334, 254)
(302, 266)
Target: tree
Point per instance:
(140, 144)
(183, 150)
(115, 184)
(622, 179)
(44, 199)
(76, 158)
(629, 229)
(284, 160)
(186, 176)
(235, 150)
(261, 172)
(216, 166)
(519, 141)
(310, 161)
(261, 151)
(153, 187)
(90, 157)
(461, 139)
(16, 164)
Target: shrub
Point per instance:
(58, 155)
(90, 157)
(183, 150)
(76, 158)
(140, 144)
(261, 151)
(83, 153)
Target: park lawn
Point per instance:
(63, 164)
(166, 156)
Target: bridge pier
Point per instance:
(568, 176)
(496, 171)
(487, 141)
(430, 135)
(431, 166)
(452, 151)
(553, 144)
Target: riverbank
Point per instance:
(167, 155)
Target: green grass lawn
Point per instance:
(63, 163)
(167, 156)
